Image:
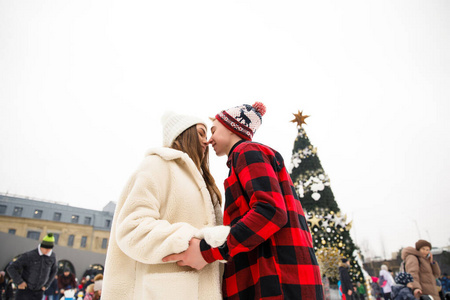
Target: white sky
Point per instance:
(83, 85)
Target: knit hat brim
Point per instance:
(46, 246)
(232, 125)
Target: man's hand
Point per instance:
(43, 288)
(192, 257)
(349, 292)
(22, 286)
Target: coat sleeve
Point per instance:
(140, 233)
(15, 268)
(436, 269)
(413, 268)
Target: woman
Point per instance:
(171, 198)
(420, 264)
(386, 282)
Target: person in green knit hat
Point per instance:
(34, 270)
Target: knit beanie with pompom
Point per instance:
(48, 241)
(243, 120)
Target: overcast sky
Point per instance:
(83, 85)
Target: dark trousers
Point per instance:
(28, 294)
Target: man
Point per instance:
(34, 271)
(346, 282)
(269, 249)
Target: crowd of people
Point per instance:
(419, 277)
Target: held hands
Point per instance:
(192, 257)
(22, 286)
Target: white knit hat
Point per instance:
(174, 124)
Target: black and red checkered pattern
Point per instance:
(269, 250)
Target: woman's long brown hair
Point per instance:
(189, 143)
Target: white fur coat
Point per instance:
(165, 204)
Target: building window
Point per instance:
(2, 209)
(33, 235)
(56, 236)
(17, 211)
(75, 219)
(12, 231)
(57, 216)
(83, 241)
(104, 243)
(108, 223)
(37, 214)
(70, 241)
(87, 220)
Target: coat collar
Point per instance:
(170, 154)
(167, 153)
(231, 151)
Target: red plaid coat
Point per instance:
(269, 249)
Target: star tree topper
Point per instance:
(299, 118)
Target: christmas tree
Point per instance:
(329, 227)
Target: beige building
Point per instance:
(73, 227)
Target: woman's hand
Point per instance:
(417, 293)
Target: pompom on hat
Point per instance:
(174, 124)
(243, 120)
(48, 242)
(422, 243)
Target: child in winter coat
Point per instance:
(376, 289)
(402, 290)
